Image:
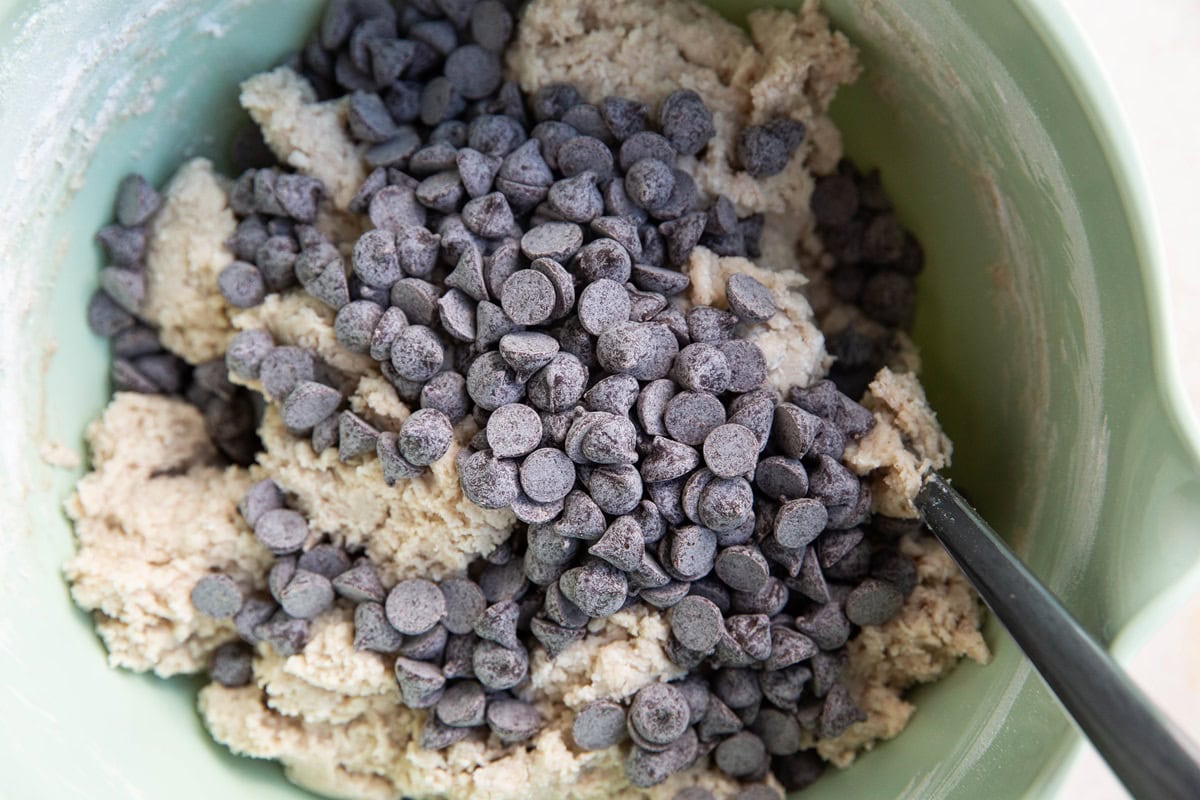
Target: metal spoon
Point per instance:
(1146, 751)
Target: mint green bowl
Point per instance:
(1041, 319)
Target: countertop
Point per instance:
(1152, 64)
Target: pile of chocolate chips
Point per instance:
(527, 277)
(876, 262)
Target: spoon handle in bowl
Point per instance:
(1147, 753)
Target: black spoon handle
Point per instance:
(1148, 753)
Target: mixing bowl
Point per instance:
(1041, 322)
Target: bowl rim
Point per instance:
(1065, 41)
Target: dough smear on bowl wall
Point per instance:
(352, 377)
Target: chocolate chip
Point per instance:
(559, 385)
(123, 246)
(217, 596)
(514, 430)
(555, 638)
(287, 636)
(652, 404)
(616, 488)
(281, 530)
(554, 240)
(488, 481)
(324, 559)
(615, 394)
(761, 152)
(232, 665)
(696, 623)
(712, 325)
(826, 625)
(755, 410)
(649, 182)
(769, 600)
(491, 383)
(581, 517)
(748, 298)
(136, 201)
(645, 768)
(788, 647)
(839, 712)
(394, 208)
(830, 482)
(621, 544)
(425, 436)
(513, 720)
(368, 118)
(810, 581)
(499, 668)
(668, 460)
(690, 552)
(597, 588)
(725, 503)
(685, 121)
(584, 154)
(372, 632)
(690, 417)
(682, 235)
(283, 369)
(360, 584)
(798, 771)
(799, 522)
(547, 475)
(306, 595)
(741, 754)
(659, 714)
(609, 439)
(576, 199)
(897, 569)
(527, 297)
(873, 602)
(794, 430)
(260, 498)
(624, 117)
(240, 284)
(588, 120)
(414, 606)
(421, 684)
(603, 304)
(742, 568)
(599, 725)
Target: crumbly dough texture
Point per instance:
(304, 134)
(792, 345)
(154, 516)
(906, 444)
(156, 513)
(186, 252)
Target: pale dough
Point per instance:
(305, 134)
(186, 252)
(906, 444)
(155, 514)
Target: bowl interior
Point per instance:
(1035, 321)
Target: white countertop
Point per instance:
(1150, 53)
